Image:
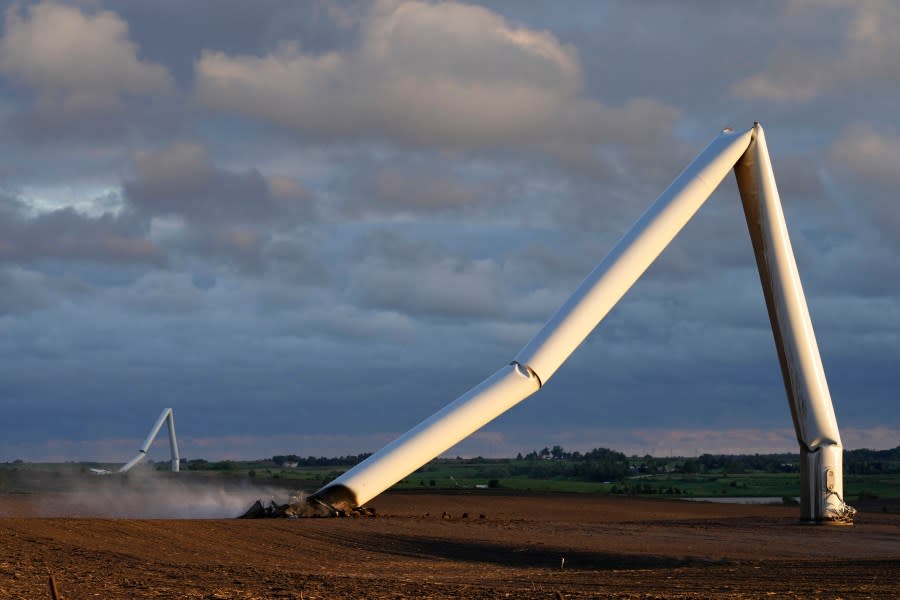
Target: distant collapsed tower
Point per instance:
(821, 453)
(168, 417)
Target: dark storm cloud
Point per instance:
(296, 263)
(864, 158)
(65, 234)
(181, 180)
(234, 26)
(43, 125)
(412, 190)
(420, 278)
(346, 214)
(235, 216)
(869, 153)
(664, 51)
(22, 291)
(864, 53)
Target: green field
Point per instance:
(868, 474)
(749, 484)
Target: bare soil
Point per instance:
(486, 546)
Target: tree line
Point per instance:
(603, 464)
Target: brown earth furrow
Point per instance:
(612, 548)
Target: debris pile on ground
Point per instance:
(306, 508)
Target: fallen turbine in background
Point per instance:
(167, 417)
(821, 453)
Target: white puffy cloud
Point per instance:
(445, 74)
(77, 63)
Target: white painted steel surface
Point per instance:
(127, 466)
(154, 431)
(798, 352)
(175, 459)
(559, 338)
(534, 365)
(631, 256)
(456, 421)
(168, 417)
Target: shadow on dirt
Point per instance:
(541, 557)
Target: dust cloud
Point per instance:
(145, 494)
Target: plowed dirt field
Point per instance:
(487, 546)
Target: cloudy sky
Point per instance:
(307, 226)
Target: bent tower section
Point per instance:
(821, 453)
(814, 421)
(168, 417)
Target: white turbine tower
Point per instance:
(167, 417)
(821, 452)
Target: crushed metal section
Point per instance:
(308, 508)
(843, 515)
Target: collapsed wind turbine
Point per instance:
(821, 453)
(168, 417)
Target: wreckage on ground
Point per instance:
(821, 452)
(308, 508)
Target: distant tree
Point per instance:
(690, 466)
